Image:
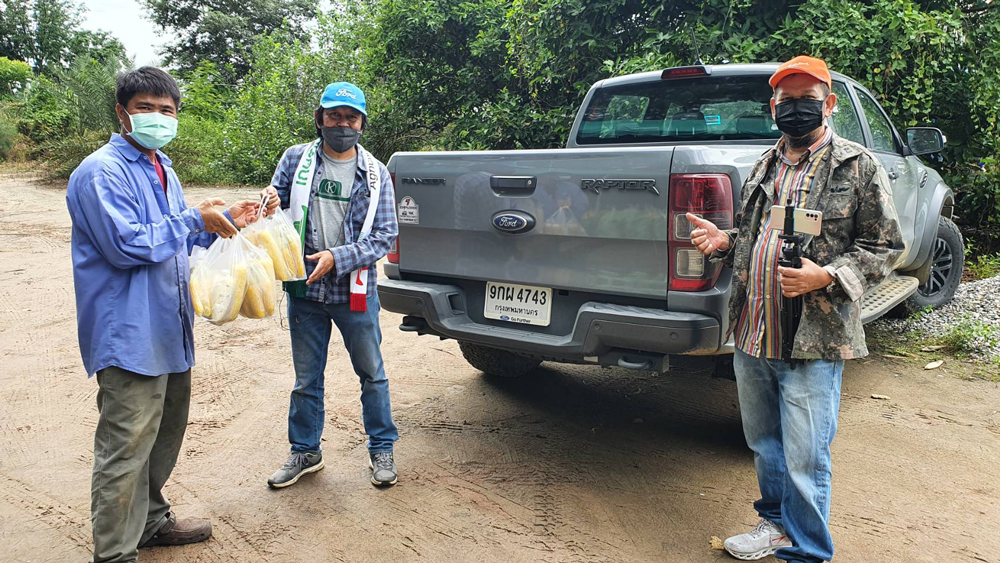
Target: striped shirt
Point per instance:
(758, 330)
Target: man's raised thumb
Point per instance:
(695, 220)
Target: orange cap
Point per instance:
(802, 65)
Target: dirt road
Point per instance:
(572, 464)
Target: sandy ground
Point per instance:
(568, 464)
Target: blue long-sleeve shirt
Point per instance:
(130, 248)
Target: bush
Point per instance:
(63, 154)
(195, 153)
(43, 114)
(984, 266)
(14, 76)
(8, 135)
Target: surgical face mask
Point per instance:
(152, 130)
(340, 139)
(798, 117)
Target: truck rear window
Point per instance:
(691, 109)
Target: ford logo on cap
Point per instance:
(513, 221)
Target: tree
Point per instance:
(47, 35)
(224, 31)
(16, 41)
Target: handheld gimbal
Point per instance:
(791, 307)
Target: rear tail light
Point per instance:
(705, 195)
(393, 256)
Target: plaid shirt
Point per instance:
(758, 332)
(333, 288)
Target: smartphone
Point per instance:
(806, 221)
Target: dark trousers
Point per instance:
(139, 434)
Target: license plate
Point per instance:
(518, 303)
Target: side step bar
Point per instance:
(880, 299)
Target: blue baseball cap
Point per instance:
(343, 94)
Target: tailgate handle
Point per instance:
(513, 186)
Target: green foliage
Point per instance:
(204, 94)
(16, 41)
(44, 113)
(492, 74)
(14, 76)
(984, 266)
(62, 154)
(47, 34)
(970, 336)
(274, 109)
(920, 314)
(224, 31)
(195, 153)
(90, 92)
(8, 135)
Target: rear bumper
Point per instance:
(600, 328)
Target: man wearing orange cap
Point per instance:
(790, 408)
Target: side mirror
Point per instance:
(924, 140)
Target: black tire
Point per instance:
(948, 256)
(500, 363)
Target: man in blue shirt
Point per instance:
(132, 232)
(342, 201)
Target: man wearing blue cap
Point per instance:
(341, 200)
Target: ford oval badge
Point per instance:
(513, 221)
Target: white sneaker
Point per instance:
(758, 543)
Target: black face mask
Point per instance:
(340, 139)
(798, 117)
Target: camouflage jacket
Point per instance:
(859, 244)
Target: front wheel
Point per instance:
(496, 362)
(947, 264)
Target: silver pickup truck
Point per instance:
(582, 254)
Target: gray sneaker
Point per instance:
(383, 469)
(758, 543)
(298, 464)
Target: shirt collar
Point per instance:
(131, 153)
(362, 164)
(823, 141)
(361, 158)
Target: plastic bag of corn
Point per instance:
(276, 235)
(259, 301)
(219, 281)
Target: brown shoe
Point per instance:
(180, 532)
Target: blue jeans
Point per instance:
(789, 419)
(310, 323)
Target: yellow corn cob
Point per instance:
(200, 296)
(259, 286)
(253, 304)
(268, 264)
(276, 252)
(267, 283)
(297, 264)
(268, 297)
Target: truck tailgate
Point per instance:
(592, 220)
